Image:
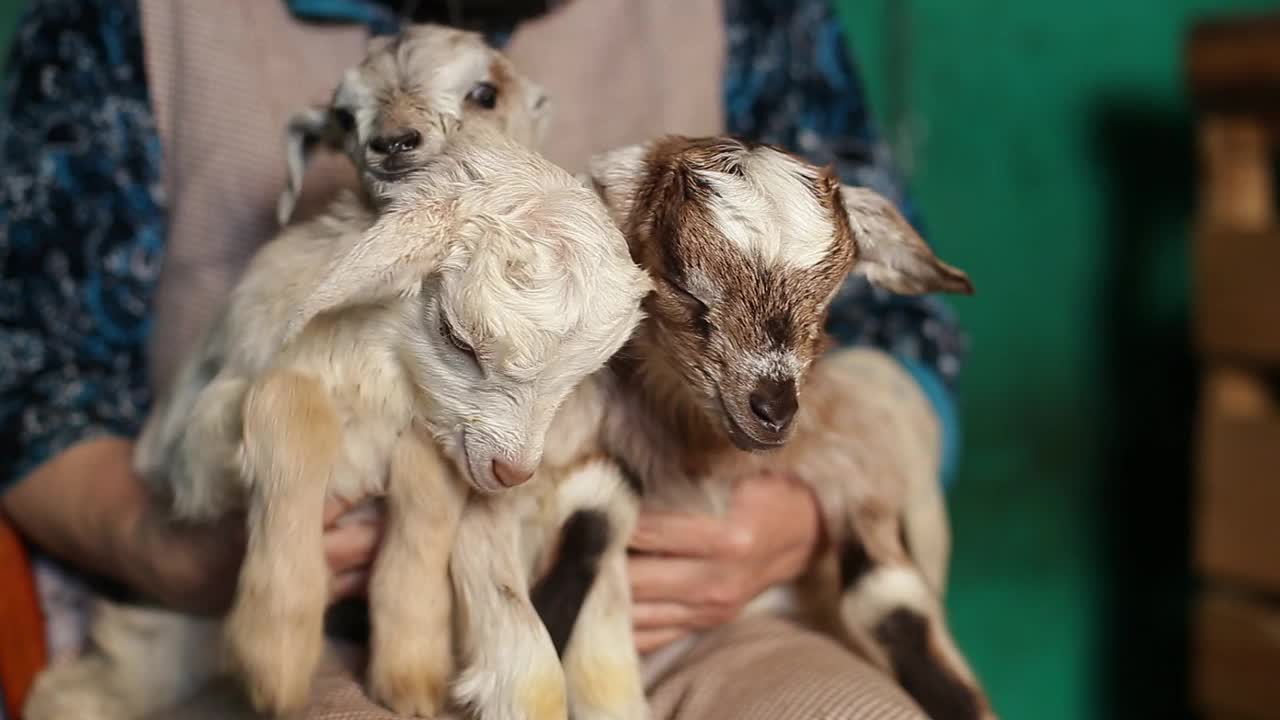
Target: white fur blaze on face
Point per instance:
(776, 365)
(796, 232)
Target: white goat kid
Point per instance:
(196, 462)
(461, 320)
(748, 245)
(465, 316)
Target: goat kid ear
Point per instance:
(305, 131)
(390, 259)
(377, 43)
(889, 251)
(616, 175)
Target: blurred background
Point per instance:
(1052, 148)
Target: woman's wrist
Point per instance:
(87, 508)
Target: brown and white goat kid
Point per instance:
(398, 107)
(726, 377)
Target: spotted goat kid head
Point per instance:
(748, 245)
(395, 111)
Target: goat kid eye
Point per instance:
(689, 298)
(447, 331)
(345, 119)
(484, 94)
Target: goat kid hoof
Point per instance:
(413, 694)
(276, 661)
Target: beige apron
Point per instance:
(224, 77)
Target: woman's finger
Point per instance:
(679, 534)
(334, 508)
(658, 615)
(339, 511)
(649, 640)
(349, 584)
(669, 579)
(348, 547)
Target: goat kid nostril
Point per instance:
(396, 142)
(542, 100)
(509, 475)
(774, 402)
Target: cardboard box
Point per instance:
(1237, 294)
(1236, 670)
(1237, 514)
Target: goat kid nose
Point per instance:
(774, 402)
(509, 475)
(396, 141)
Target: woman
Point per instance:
(146, 131)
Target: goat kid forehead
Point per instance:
(435, 66)
(540, 307)
(756, 235)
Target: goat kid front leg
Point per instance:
(275, 630)
(410, 596)
(891, 614)
(601, 664)
(510, 670)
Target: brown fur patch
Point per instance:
(503, 81)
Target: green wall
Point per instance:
(1050, 147)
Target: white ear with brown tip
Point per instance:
(390, 259)
(891, 254)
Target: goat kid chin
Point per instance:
(730, 374)
(381, 303)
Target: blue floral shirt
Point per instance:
(82, 213)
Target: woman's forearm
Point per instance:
(87, 507)
(77, 505)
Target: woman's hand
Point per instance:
(195, 567)
(692, 572)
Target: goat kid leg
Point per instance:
(510, 668)
(410, 596)
(275, 631)
(927, 530)
(890, 613)
(142, 659)
(601, 665)
(202, 469)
